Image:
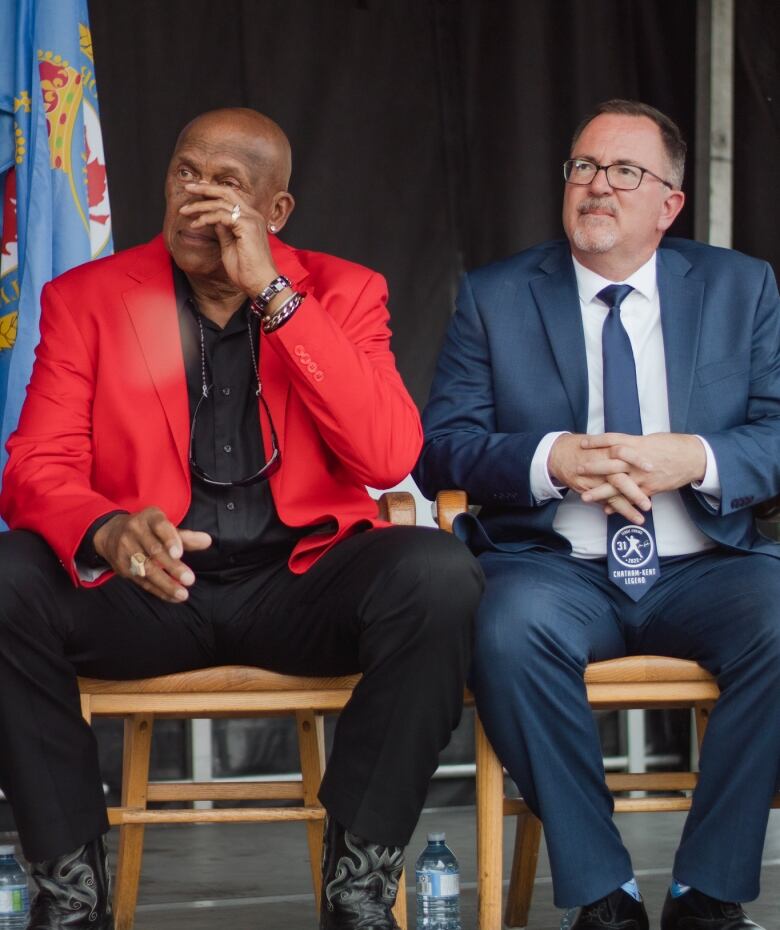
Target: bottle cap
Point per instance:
(7, 850)
(437, 837)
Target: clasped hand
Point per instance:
(623, 472)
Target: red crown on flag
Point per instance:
(62, 92)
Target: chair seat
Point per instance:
(645, 668)
(222, 691)
(230, 678)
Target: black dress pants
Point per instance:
(394, 604)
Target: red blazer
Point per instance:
(106, 422)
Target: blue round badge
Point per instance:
(632, 546)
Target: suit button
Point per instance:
(318, 376)
(299, 350)
(230, 505)
(312, 367)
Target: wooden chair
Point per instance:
(226, 691)
(635, 682)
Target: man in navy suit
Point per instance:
(613, 404)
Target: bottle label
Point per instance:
(432, 884)
(13, 900)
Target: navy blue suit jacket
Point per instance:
(513, 367)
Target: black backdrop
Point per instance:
(427, 134)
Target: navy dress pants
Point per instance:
(395, 604)
(544, 617)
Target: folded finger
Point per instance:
(205, 206)
(607, 466)
(619, 504)
(631, 490)
(221, 215)
(632, 456)
(158, 582)
(602, 440)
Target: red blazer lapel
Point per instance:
(151, 304)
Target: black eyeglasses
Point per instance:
(619, 176)
(273, 464)
(270, 468)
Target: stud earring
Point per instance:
(271, 228)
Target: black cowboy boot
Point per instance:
(359, 881)
(74, 891)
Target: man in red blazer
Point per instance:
(186, 488)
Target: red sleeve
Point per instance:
(339, 360)
(46, 484)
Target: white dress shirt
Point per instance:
(585, 525)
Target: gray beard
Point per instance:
(594, 240)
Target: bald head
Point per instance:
(238, 150)
(251, 134)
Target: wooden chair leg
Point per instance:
(135, 783)
(490, 823)
(521, 882)
(399, 911)
(86, 707)
(311, 745)
(702, 712)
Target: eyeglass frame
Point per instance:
(605, 169)
(270, 468)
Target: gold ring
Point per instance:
(235, 213)
(138, 562)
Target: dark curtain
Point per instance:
(428, 135)
(757, 130)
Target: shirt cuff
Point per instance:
(89, 565)
(709, 486)
(542, 486)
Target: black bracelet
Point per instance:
(271, 323)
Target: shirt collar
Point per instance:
(185, 300)
(642, 280)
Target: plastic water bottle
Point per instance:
(438, 886)
(14, 897)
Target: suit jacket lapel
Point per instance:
(151, 304)
(556, 298)
(681, 297)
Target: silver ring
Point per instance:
(235, 213)
(138, 562)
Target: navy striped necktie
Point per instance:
(632, 557)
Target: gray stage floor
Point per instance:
(256, 877)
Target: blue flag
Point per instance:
(55, 212)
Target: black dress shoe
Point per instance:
(697, 911)
(359, 881)
(618, 911)
(74, 891)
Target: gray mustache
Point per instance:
(597, 203)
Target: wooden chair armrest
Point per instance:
(448, 505)
(397, 507)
